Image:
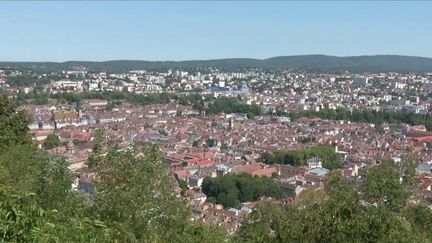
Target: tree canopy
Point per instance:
(13, 124)
(133, 201)
(330, 159)
(378, 211)
(229, 105)
(230, 190)
(51, 141)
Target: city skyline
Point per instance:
(215, 121)
(100, 31)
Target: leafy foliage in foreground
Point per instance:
(133, 201)
(339, 213)
(13, 125)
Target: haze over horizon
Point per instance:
(175, 31)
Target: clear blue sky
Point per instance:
(60, 31)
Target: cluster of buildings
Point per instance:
(286, 90)
(197, 146)
(236, 147)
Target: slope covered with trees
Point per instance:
(377, 63)
(133, 200)
(378, 210)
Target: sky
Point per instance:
(164, 30)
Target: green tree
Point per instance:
(13, 125)
(133, 201)
(196, 143)
(134, 197)
(331, 159)
(382, 185)
(51, 141)
(250, 116)
(224, 147)
(37, 203)
(421, 216)
(336, 214)
(211, 142)
(183, 184)
(110, 106)
(98, 141)
(230, 190)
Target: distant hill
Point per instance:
(378, 63)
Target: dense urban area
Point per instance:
(215, 154)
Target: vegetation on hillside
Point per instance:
(381, 212)
(27, 79)
(377, 63)
(133, 201)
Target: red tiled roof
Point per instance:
(249, 169)
(182, 174)
(423, 139)
(38, 133)
(200, 162)
(264, 172)
(201, 155)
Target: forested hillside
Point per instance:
(377, 63)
